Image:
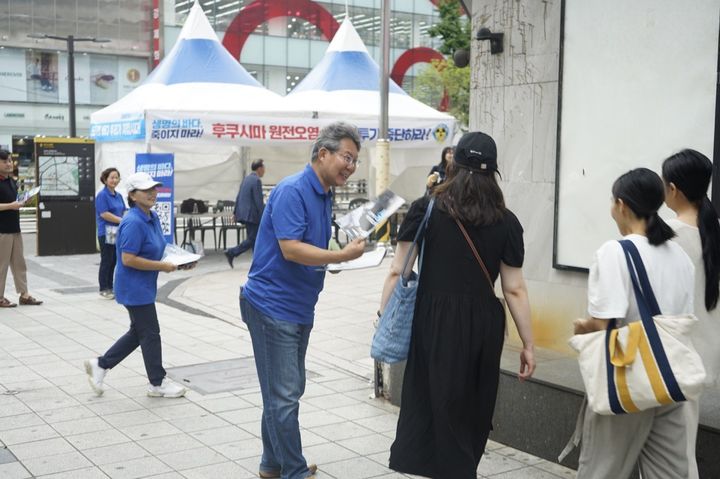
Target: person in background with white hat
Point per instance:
(140, 245)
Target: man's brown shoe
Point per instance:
(29, 301)
(272, 475)
(6, 303)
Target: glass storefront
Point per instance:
(41, 76)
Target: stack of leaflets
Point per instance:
(369, 259)
(363, 220)
(178, 256)
(26, 195)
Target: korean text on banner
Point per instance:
(161, 166)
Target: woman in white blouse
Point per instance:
(653, 438)
(687, 176)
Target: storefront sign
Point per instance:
(12, 75)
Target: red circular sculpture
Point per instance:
(260, 11)
(411, 57)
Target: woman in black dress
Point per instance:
(452, 372)
(439, 172)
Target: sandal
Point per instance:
(5, 303)
(29, 301)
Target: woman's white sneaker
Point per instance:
(96, 375)
(166, 390)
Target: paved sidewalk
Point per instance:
(54, 427)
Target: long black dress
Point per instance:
(452, 372)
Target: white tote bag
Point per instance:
(646, 364)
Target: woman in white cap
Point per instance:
(453, 366)
(140, 244)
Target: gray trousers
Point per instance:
(654, 439)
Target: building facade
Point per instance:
(277, 41)
(34, 72)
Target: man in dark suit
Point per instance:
(248, 209)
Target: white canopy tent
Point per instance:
(345, 84)
(203, 106)
(198, 76)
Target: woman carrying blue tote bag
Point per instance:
(449, 387)
(391, 341)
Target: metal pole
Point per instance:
(382, 174)
(384, 68)
(383, 165)
(71, 83)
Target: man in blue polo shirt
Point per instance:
(278, 301)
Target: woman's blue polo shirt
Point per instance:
(107, 201)
(141, 235)
(298, 209)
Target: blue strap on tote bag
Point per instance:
(643, 364)
(665, 387)
(391, 341)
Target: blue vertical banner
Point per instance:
(161, 166)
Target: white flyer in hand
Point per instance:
(369, 259)
(178, 256)
(26, 195)
(361, 221)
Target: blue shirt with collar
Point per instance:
(106, 201)
(141, 235)
(298, 209)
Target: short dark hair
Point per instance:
(643, 192)
(4, 154)
(257, 164)
(106, 172)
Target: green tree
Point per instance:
(440, 77)
(444, 76)
(453, 29)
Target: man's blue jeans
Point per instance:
(279, 348)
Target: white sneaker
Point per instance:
(166, 390)
(96, 375)
(107, 294)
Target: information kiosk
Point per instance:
(65, 171)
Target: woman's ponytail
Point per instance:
(643, 192)
(691, 171)
(657, 230)
(710, 238)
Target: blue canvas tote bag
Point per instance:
(391, 341)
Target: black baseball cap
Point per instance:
(476, 151)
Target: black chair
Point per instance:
(195, 224)
(228, 222)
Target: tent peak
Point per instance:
(346, 39)
(197, 25)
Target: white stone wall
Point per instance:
(514, 98)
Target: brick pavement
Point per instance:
(52, 426)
